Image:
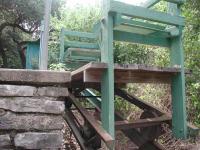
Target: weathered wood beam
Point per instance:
(143, 13)
(125, 125)
(92, 72)
(94, 123)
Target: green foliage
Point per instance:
(57, 67)
(78, 19)
(19, 23)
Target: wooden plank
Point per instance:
(30, 91)
(143, 13)
(34, 77)
(105, 136)
(5, 141)
(132, 73)
(77, 74)
(125, 125)
(34, 140)
(32, 105)
(29, 122)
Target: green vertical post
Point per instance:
(62, 45)
(107, 84)
(179, 120)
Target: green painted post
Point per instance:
(179, 121)
(107, 84)
(62, 45)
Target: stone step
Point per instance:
(23, 91)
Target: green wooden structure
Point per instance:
(82, 48)
(32, 54)
(135, 24)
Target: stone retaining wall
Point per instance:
(31, 117)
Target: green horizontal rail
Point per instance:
(141, 39)
(146, 14)
(143, 27)
(118, 20)
(83, 58)
(74, 44)
(79, 34)
(151, 3)
(93, 100)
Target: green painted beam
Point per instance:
(62, 46)
(179, 120)
(83, 58)
(146, 14)
(79, 34)
(118, 20)
(107, 81)
(139, 27)
(75, 44)
(93, 100)
(141, 39)
(151, 3)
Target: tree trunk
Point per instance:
(4, 58)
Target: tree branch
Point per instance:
(6, 24)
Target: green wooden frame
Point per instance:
(64, 45)
(108, 30)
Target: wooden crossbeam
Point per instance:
(109, 141)
(118, 20)
(75, 44)
(125, 125)
(141, 39)
(143, 13)
(150, 3)
(92, 73)
(79, 34)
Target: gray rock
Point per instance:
(20, 76)
(52, 91)
(11, 121)
(5, 141)
(39, 140)
(13, 90)
(32, 104)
